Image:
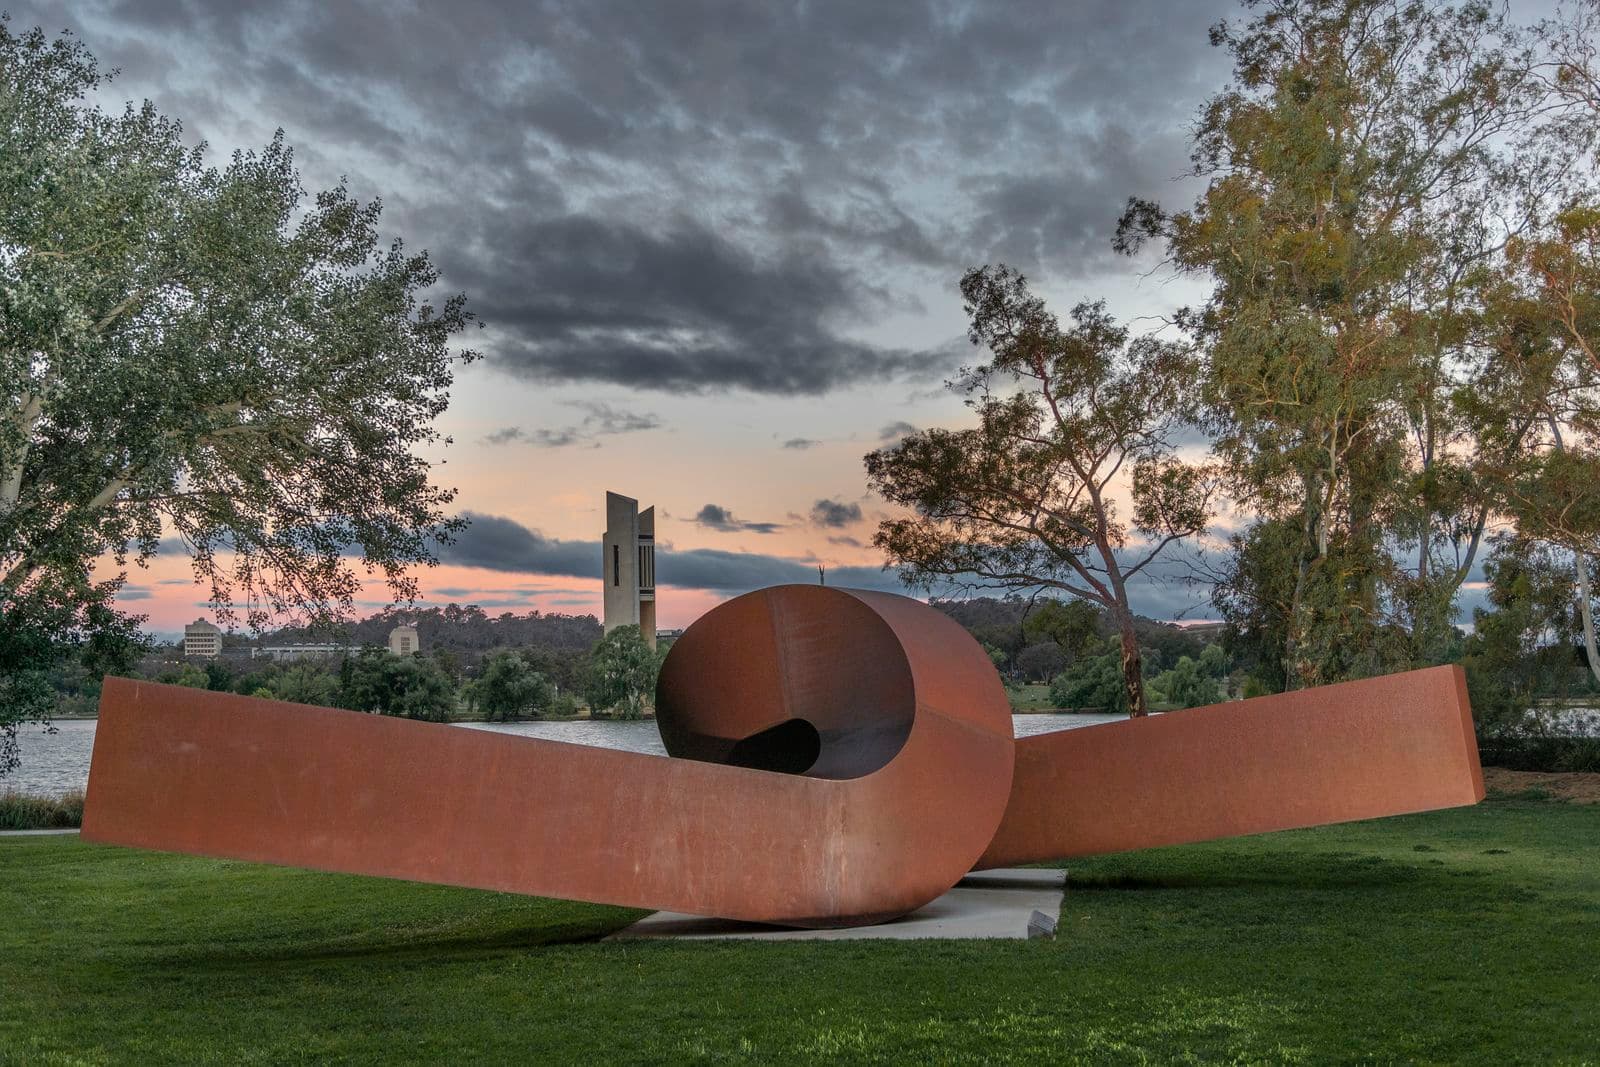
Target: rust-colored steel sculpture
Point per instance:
(837, 757)
(1337, 753)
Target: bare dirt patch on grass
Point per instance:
(1576, 787)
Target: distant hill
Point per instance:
(458, 629)
(979, 612)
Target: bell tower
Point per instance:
(628, 566)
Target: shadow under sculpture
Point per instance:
(837, 757)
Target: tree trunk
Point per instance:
(1580, 563)
(1586, 609)
(1132, 664)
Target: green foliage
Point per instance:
(1291, 626)
(467, 632)
(1023, 501)
(1004, 639)
(1188, 685)
(1524, 646)
(1040, 662)
(1552, 753)
(218, 677)
(1366, 376)
(1164, 644)
(1255, 687)
(22, 812)
(566, 668)
(622, 673)
(198, 352)
(1094, 682)
(411, 687)
(188, 674)
(1073, 625)
(47, 630)
(306, 683)
(511, 689)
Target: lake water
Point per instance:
(58, 762)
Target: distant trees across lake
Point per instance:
(472, 665)
(459, 629)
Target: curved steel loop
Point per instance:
(902, 726)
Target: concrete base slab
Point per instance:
(34, 833)
(985, 904)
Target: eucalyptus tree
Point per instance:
(1551, 315)
(196, 356)
(1028, 498)
(1073, 625)
(1363, 172)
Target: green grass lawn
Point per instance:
(1035, 697)
(1463, 936)
(1031, 697)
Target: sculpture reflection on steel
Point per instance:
(839, 757)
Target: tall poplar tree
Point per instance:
(194, 355)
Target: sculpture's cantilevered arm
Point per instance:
(1358, 750)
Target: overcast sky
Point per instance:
(716, 245)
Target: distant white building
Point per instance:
(628, 566)
(201, 638)
(403, 641)
(289, 653)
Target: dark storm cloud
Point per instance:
(835, 513)
(500, 544)
(717, 517)
(700, 195)
(681, 310)
(601, 420)
(896, 430)
(495, 543)
(800, 444)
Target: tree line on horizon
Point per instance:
(505, 670)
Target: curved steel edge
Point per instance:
(186, 770)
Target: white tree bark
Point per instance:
(1586, 609)
(11, 477)
(1585, 601)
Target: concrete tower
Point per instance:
(628, 566)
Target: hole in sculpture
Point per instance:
(790, 747)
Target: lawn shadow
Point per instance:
(1336, 870)
(453, 947)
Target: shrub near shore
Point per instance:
(19, 811)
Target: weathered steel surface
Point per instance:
(1358, 750)
(892, 687)
(843, 757)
